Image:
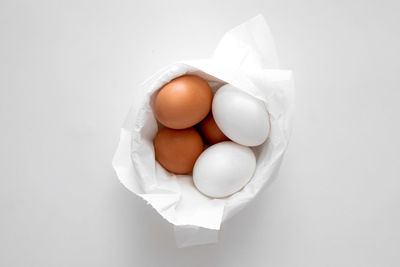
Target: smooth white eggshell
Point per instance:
(223, 169)
(240, 116)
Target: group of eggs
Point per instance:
(228, 122)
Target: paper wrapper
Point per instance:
(246, 58)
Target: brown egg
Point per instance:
(178, 150)
(210, 131)
(183, 102)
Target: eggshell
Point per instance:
(223, 169)
(177, 150)
(210, 132)
(240, 116)
(183, 102)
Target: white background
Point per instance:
(68, 70)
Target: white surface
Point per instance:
(250, 126)
(223, 169)
(66, 73)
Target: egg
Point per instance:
(210, 132)
(240, 116)
(177, 150)
(183, 102)
(223, 169)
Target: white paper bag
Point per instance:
(246, 58)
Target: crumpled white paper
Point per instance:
(246, 58)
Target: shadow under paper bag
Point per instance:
(246, 58)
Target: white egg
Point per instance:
(223, 169)
(240, 116)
